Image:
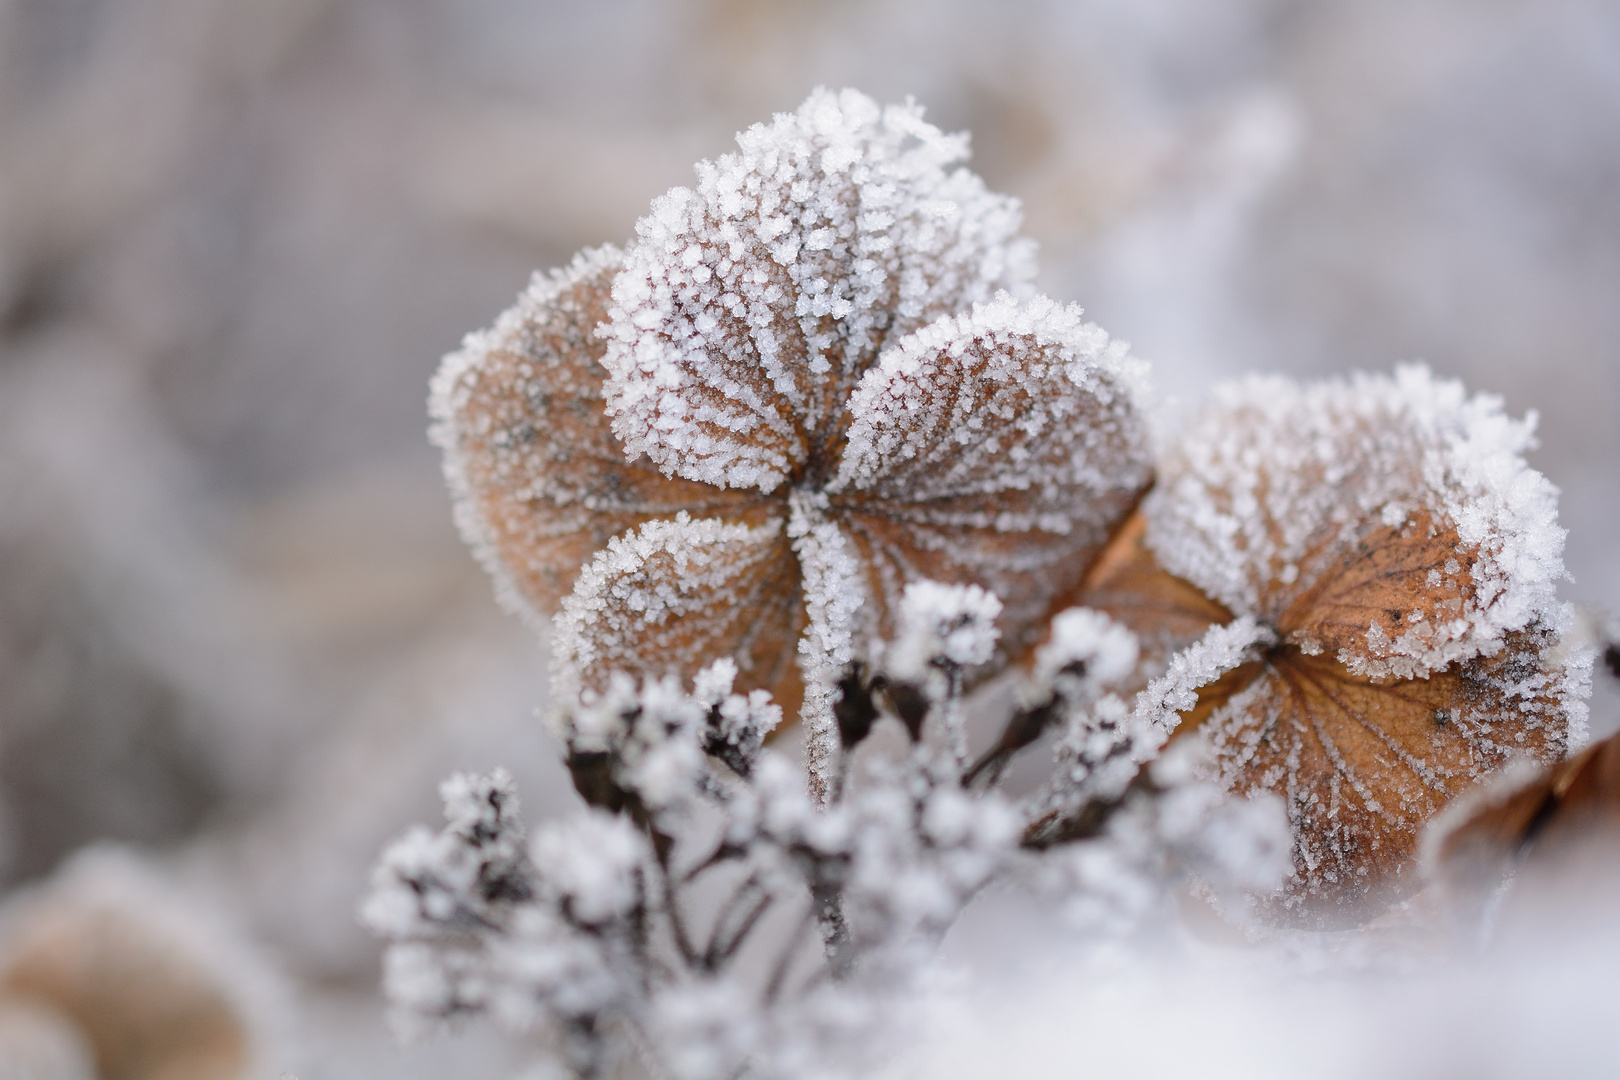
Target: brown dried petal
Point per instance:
(1363, 764)
(672, 596)
(1164, 612)
(1002, 448)
(1363, 588)
(751, 305)
(1388, 521)
(147, 1011)
(541, 483)
(1558, 829)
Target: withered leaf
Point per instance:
(144, 1007)
(1557, 827)
(1166, 613)
(1001, 448)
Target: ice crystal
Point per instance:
(1398, 559)
(811, 385)
(750, 308)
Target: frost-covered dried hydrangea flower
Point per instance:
(805, 384)
(1399, 560)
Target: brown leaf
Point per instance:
(1002, 449)
(1408, 661)
(147, 1013)
(542, 483)
(672, 596)
(1361, 589)
(1361, 763)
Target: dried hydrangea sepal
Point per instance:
(539, 480)
(1389, 533)
(1284, 499)
(1166, 613)
(671, 596)
(1002, 448)
(1364, 764)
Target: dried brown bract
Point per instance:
(1399, 559)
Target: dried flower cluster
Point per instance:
(807, 445)
(806, 384)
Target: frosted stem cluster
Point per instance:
(704, 916)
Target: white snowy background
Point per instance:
(237, 629)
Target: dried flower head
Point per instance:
(1399, 560)
(805, 384)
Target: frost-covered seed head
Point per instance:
(943, 625)
(593, 862)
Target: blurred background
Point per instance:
(238, 634)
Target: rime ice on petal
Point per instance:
(749, 307)
(1001, 447)
(1390, 522)
(539, 480)
(1363, 765)
(672, 594)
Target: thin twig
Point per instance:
(746, 927)
(779, 970)
(747, 885)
